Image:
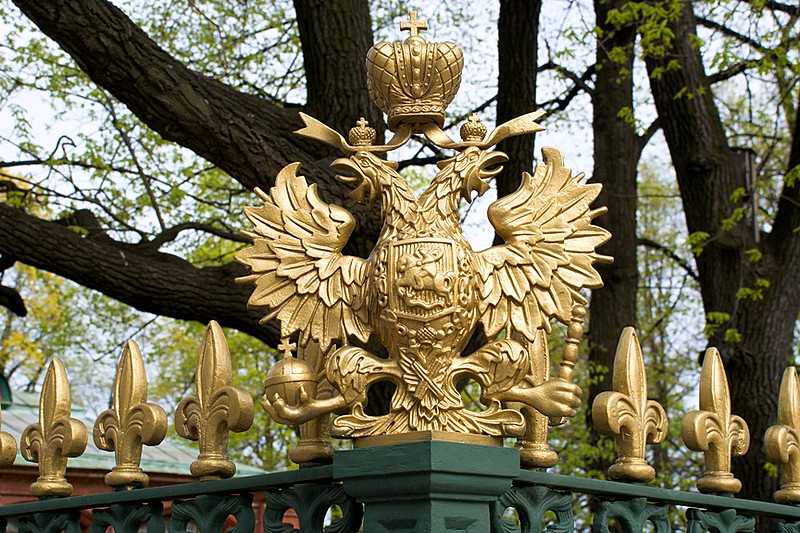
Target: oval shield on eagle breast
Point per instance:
(423, 275)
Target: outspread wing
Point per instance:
(548, 252)
(299, 272)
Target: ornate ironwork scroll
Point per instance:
(714, 430)
(56, 437)
(627, 414)
(55, 522)
(210, 512)
(782, 441)
(423, 291)
(785, 527)
(531, 504)
(631, 515)
(727, 521)
(129, 517)
(217, 409)
(311, 503)
(130, 423)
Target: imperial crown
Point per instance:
(414, 81)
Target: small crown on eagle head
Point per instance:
(414, 81)
(473, 129)
(362, 134)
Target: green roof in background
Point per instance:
(169, 457)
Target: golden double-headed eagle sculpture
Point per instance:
(423, 291)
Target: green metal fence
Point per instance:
(425, 486)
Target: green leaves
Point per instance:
(697, 241)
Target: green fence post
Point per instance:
(427, 486)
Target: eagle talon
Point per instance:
(555, 398)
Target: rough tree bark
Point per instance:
(617, 148)
(146, 279)
(707, 177)
(517, 43)
(335, 37)
(248, 137)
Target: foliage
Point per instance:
(142, 188)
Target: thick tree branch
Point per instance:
(730, 72)
(181, 105)
(11, 300)
(246, 136)
(150, 281)
(648, 134)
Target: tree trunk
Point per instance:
(707, 177)
(335, 36)
(616, 155)
(518, 31)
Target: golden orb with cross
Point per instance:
(414, 81)
(290, 376)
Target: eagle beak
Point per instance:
(493, 164)
(346, 165)
(354, 175)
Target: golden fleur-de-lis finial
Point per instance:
(782, 441)
(217, 409)
(627, 415)
(130, 423)
(56, 437)
(714, 430)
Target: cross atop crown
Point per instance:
(413, 25)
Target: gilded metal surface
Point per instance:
(423, 436)
(423, 290)
(56, 437)
(8, 448)
(130, 423)
(534, 452)
(782, 441)
(627, 415)
(714, 430)
(217, 409)
(414, 81)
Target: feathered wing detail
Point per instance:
(548, 252)
(299, 272)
